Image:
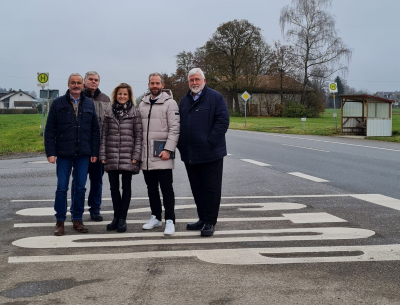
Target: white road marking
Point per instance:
(263, 206)
(306, 148)
(294, 218)
(78, 241)
(312, 178)
(251, 256)
(38, 162)
(188, 198)
(382, 200)
(255, 162)
(229, 155)
(315, 140)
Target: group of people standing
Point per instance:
(87, 133)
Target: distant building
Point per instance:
(267, 92)
(394, 95)
(16, 99)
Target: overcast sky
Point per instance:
(126, 40)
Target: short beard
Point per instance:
(197, 90)
(157, 93)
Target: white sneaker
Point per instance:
(169, 228)
(152, 223)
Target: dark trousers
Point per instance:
(120, 202)
(79, 167)
(162, 177)
(96, 171)
(206, 183)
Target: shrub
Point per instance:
(19, 111)
(294, 110)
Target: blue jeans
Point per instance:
(64, 167)
(96, 172)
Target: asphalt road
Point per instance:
(303, 220)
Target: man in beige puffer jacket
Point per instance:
(161, 122)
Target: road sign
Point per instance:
(333, 88)
(42, 79)
(245, 96)
(50, 93)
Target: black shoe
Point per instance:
(96, 217)
(207, 230)
(198, 225)
(121, 225)
(113, 225)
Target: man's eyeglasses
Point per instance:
(75, 83)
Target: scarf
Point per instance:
(120, 110)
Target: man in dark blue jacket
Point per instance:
(72, 138)
(204, 122)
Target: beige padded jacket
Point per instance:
(161, 122)
(121, 141)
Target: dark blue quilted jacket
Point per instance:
(204, 123)
(67, 135)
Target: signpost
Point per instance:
(304, 124)
(333, 89)
(43, 81)
(245, 96)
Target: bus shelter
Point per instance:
(366, 115)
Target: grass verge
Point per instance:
(21, 133)
(323, 126)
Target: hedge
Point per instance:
(19, 111)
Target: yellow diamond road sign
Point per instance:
(245, 96)
(42, 79)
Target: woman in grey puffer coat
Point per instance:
(120, 150)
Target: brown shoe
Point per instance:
(79, 226)
(59, 229)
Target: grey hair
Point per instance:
(91, 73)
(195, 71)
(74, 74)
(157, 74)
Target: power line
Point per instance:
(107, 80)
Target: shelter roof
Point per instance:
(364, 97)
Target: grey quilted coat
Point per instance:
(161, 122)
(121, 141)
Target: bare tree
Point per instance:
(231, 50)
(285, 64)
(311, 30)
(184, 62)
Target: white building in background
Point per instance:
(16, 99)
(394, 95)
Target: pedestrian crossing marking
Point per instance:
(262, 206)
(246, 256)
(294, 218)
(235, 256)
(70, 241)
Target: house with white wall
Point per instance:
(16, 99)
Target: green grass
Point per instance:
(324, 126)
(20, 133)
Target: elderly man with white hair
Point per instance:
(204, 122)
